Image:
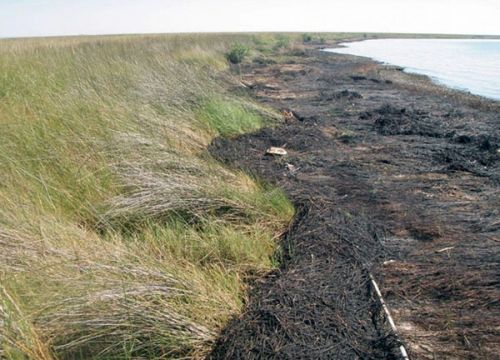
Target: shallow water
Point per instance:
(470, 65)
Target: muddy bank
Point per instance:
(393, 176)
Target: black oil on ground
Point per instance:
(392, 176)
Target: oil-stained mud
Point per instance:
(393, 176)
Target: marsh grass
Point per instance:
(119, 236)
(229, 118)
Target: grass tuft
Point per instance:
(229, 118)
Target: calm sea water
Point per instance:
(470, 65)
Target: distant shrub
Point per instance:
(282, 41)
(306, 38)
(237, 53)
(259, 40)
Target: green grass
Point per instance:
(120, 237)
(229, 118)
(237, 53)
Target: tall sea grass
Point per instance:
(119, 236)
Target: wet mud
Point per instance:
(392, 176)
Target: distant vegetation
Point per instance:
(282, 41)
(307, 38)
(237, 53)
(120, 237)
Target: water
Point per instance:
(469, 65)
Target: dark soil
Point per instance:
(393, 176)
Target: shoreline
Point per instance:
(343, 186)
(393, 175)
(415, 71)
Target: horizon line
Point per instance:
(492, 36)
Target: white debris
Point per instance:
(445, 249)
(292, 168)
(276, 151)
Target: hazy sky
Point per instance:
(72, 17)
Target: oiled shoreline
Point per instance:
(394, 176)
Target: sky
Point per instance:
(21, 18)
